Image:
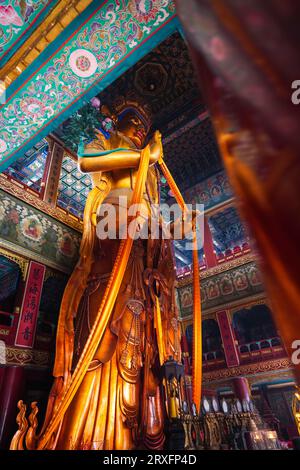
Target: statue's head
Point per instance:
(131, 124)
(132, 118)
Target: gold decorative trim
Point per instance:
(255, 380)
(4, 332)
(20, 192)
(21, 262)
(234, 304)
(50, 272)
(247, 369)
(24, 357)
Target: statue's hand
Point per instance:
(156, 149)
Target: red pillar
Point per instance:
(228, 339)
(208, 247)
(241, 388)
(11, 392)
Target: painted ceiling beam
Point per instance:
(18, 20)
(95, 49)
(38, 37)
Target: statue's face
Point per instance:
(133, 127)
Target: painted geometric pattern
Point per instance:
(29, 169)
(116, 29)
(74, 187)
(237, 283)
(15, 18)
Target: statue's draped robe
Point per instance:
(119, 404)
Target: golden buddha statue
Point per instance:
(119, 404)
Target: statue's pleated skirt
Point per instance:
(95, 420)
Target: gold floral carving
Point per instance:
(21, 262)
(31, 357)
(249, 369)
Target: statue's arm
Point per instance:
(97, 156)
(113, 160)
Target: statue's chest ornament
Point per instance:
(135, 306)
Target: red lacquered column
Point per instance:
(11, 392)
(208, 246)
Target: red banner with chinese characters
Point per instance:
(30, 306)
(230, 350)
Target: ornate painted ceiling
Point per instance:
(165, 80)
(97, 47)
(193, 156)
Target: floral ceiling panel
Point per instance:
(17, 19)
(99, 46)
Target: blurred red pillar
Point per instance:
(247, 58)
(11, 391)
(208, 247)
